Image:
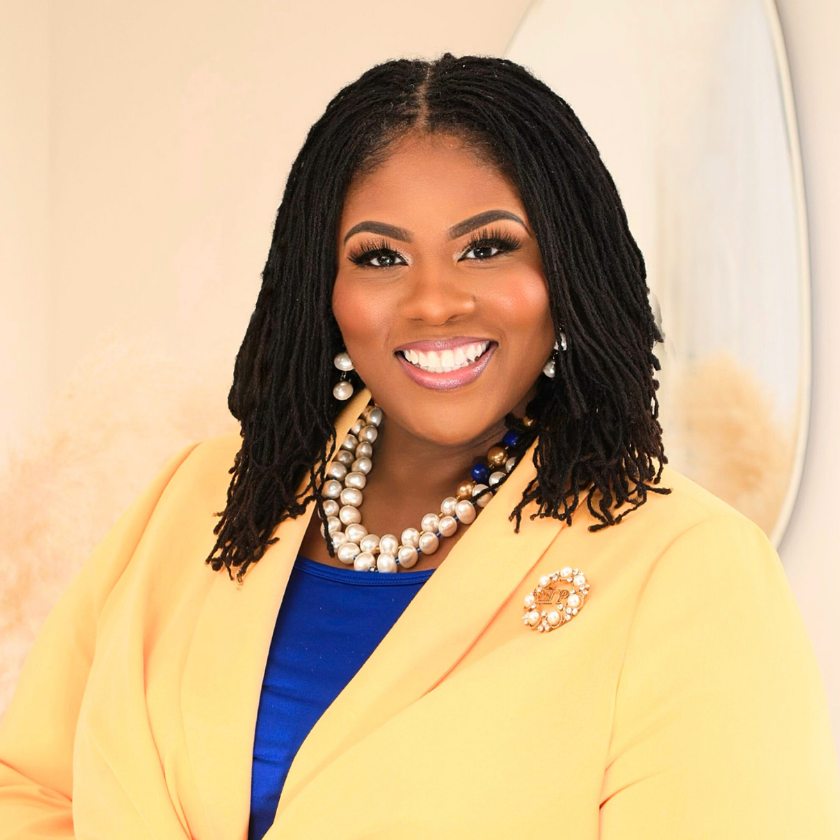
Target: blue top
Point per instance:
(329, 623)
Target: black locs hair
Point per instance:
(597, 420)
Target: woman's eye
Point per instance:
(488, 245)
(482, 252)
(383, 259)
(376, 258)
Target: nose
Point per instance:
(437, 296)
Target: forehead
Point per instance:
(437, 178)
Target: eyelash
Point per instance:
(492, 238)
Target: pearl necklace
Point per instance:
(342, 498)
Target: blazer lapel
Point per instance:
(224, 670)
(433, 634)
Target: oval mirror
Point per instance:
(690, 106)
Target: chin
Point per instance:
(451, 426)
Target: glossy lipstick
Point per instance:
(445, 381)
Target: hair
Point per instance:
(597, 429)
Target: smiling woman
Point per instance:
(450, 246)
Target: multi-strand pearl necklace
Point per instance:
(342, 498)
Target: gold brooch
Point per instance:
(557, 599)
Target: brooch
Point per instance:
(556, 600)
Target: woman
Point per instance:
(608, 651)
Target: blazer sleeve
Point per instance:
(721, 725)
(38, 730)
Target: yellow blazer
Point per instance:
(683, 701)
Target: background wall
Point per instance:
(143, 151)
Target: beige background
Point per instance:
(143, 149)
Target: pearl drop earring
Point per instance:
(343, 389)
(550, 367)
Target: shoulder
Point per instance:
(203, 476)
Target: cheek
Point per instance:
(525, 307)
(361, 316)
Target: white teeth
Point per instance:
(447, 360)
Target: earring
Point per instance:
(550, 367)
(343, 389)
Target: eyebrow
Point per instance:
(454, 232)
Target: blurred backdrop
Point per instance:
(143, 151)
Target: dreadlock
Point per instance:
(597, 429)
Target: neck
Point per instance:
(421, 468)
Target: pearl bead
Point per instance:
(362, 465)
(343, 390)
(566, 571)
(344, 457)
(356, 428)
(510, 464)
(574, 601)
(339, 538)
(332, 489)
(343, 362)
(350, 515)
(333, 524)
(533, 618)
(364, 450)
(496, 477)
(347, 552)
(407, 555)
(336, 470)
(369, 434)
(356, 480)
(350, 443)
(411, 536)
(544, 580)
(351, 496)
(331, 507)
(530, 600)
(466, 512)
(386, 563)
(448, 526)
(553, 618)
(389, 544)
(579, 580)
(465, 489)
(369, 542)
(374, 416)
(355, 532)
(550, 368)
(496, 456)
(429, 542)
(430, 522)
(364, 562)
(482, 502)
(447, 506)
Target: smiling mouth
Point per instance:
(446, 361)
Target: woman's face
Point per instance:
(440, 293)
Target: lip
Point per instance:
(445, 381)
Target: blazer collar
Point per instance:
(224, 670)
